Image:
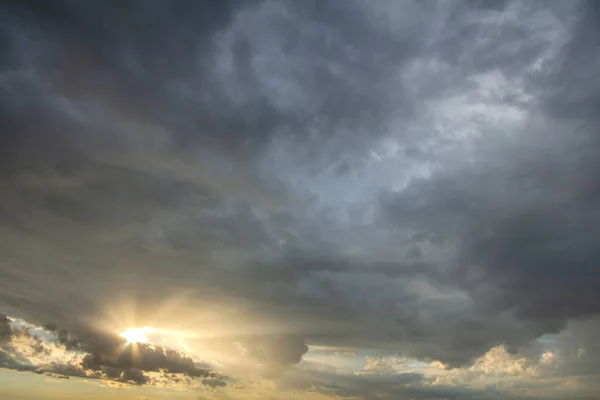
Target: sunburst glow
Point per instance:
(136, 335)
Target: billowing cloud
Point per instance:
(258, 178)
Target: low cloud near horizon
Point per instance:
(387, 199)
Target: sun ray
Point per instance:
(136, 335)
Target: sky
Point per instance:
(299, 199)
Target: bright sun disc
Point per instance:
(136, 335)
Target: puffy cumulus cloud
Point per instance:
(412, 177)
(380, 365)
(551, 369)
(575, 351)
(497, 368)
(407, 383)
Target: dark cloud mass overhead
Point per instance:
(265, 178)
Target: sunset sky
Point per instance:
(299, 199)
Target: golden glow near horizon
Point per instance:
(136, 335)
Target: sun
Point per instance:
(136, 335)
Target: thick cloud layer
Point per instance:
(415, 177)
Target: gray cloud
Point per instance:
(414, 177)
(522, 218)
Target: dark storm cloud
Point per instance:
(522, 213)
(177, 66)
(569, 88)
(525, 233)
(119, 121)
(116, 56)
(409, 176)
